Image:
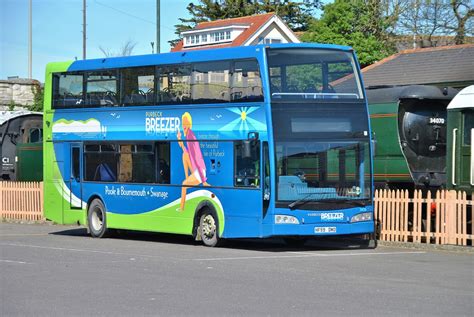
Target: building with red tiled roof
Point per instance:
(243, 31)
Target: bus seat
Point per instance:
(289, 179)
(134, 99)
(103, 173)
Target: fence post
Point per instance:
(428, 217)
(384, 214)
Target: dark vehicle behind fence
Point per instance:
(409, 123)
(21, 150)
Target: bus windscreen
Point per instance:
(312, 74)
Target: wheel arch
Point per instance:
(203, 206)
(89, 201)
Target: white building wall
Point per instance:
(272, 32)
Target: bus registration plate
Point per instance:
(324, 229)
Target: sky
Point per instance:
(57, 30)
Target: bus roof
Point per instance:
(187, 56)
(464, 99)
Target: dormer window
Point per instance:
(211, 36)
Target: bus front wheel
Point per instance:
(208, 229)
(97, 219)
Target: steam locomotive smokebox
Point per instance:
(422, 131)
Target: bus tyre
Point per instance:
(208, 229)
(373, 242)
(96, 219)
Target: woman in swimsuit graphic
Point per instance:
(193, 162)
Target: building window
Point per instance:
(271, 41)
(227, 35)
(204, 38)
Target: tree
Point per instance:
(125, 50)
(38, 98)
(464, 13)
(297, 14)
(362, 24)
(427, 18)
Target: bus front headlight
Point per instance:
(279, 219)
(365, 216)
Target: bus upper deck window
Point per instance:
(246, 82)
(101, 89)
(68, 90)
(138, 86)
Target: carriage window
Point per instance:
(246, 82)
(138, 85)
(247, 163)
(174, 85)
(210, 82)
(468, 126)
(101, 88)
(67, 90)
(36, 135)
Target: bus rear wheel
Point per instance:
(97, 219)
(208, 229)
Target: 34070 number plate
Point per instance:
(324, 229)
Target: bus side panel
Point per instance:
(53, 191)
(157, 208)
(57, 192)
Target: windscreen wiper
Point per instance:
(301, 201)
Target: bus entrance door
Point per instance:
(75, 195)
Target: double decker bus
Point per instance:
(242, 142)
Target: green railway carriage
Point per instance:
(409, 123)
(460, 156)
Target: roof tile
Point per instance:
(435, 65)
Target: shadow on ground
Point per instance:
(266, 244)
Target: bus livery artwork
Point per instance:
(216, 144)
(193, 163)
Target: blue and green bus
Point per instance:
(241, 142)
